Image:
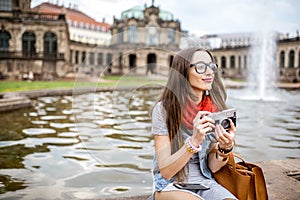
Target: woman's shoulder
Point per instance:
(158, 109)
(158, 106)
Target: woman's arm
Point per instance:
(168, 164)
(214, 163)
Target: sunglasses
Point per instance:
(201, 67)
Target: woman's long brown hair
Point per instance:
(176, 92)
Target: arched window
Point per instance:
(100, 58)
(50, 45)
(152, 36)
(92, 58)
(120, 35)
(232, 62)
(132, 61)
(4, 40)
(171, 36)
(132, 33)
(171, 58)
(281, 62)
(292, 59)
(83, 57)
(245, 62)
(76, 57)
(109, 62)
(223, 62)
(28, 43)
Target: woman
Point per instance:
(189, 147)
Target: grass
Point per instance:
(108, 81)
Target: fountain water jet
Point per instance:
(262, 68)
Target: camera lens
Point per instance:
(226, 124)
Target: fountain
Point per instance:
(262, 67)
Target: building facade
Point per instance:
(82, 28)
(31, 42)
(52, 41)
(232, 53)
(144, 40)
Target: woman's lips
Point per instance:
(207, 79)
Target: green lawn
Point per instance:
(108, 81)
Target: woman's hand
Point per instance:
(202, 124)
(225, 138)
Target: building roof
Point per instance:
(73, 16)
(137, 12)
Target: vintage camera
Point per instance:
(223, 118)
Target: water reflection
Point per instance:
(108, 150)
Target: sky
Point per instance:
(202, 17)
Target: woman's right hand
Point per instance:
(202, 124)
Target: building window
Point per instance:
(171, 36)
(223, 62)
(87, 25)
(120, 35)
(5, 5)
(83, 56)
(109, 62)
(132, 34)
(50, 45)
(100, 58)
(4, 40)
(75, 23)
(152, 35)
(28, 44)
(232, 62)
(76, 57)
(92, 57)
(71, 56)
(81, 25)
(109, 59)
(292, 59)
(281, 63)
(132, 61)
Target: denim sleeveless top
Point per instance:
(159, 128)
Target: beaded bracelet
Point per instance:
(190, 147)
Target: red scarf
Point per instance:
(190, 110)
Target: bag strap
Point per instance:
(231, 160)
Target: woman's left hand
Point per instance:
(225, 138)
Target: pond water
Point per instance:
(99, 145)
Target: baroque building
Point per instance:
(144, 40)
(54, 41)
(32, 42)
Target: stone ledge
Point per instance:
(280, 179)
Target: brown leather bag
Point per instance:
(243, 179)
